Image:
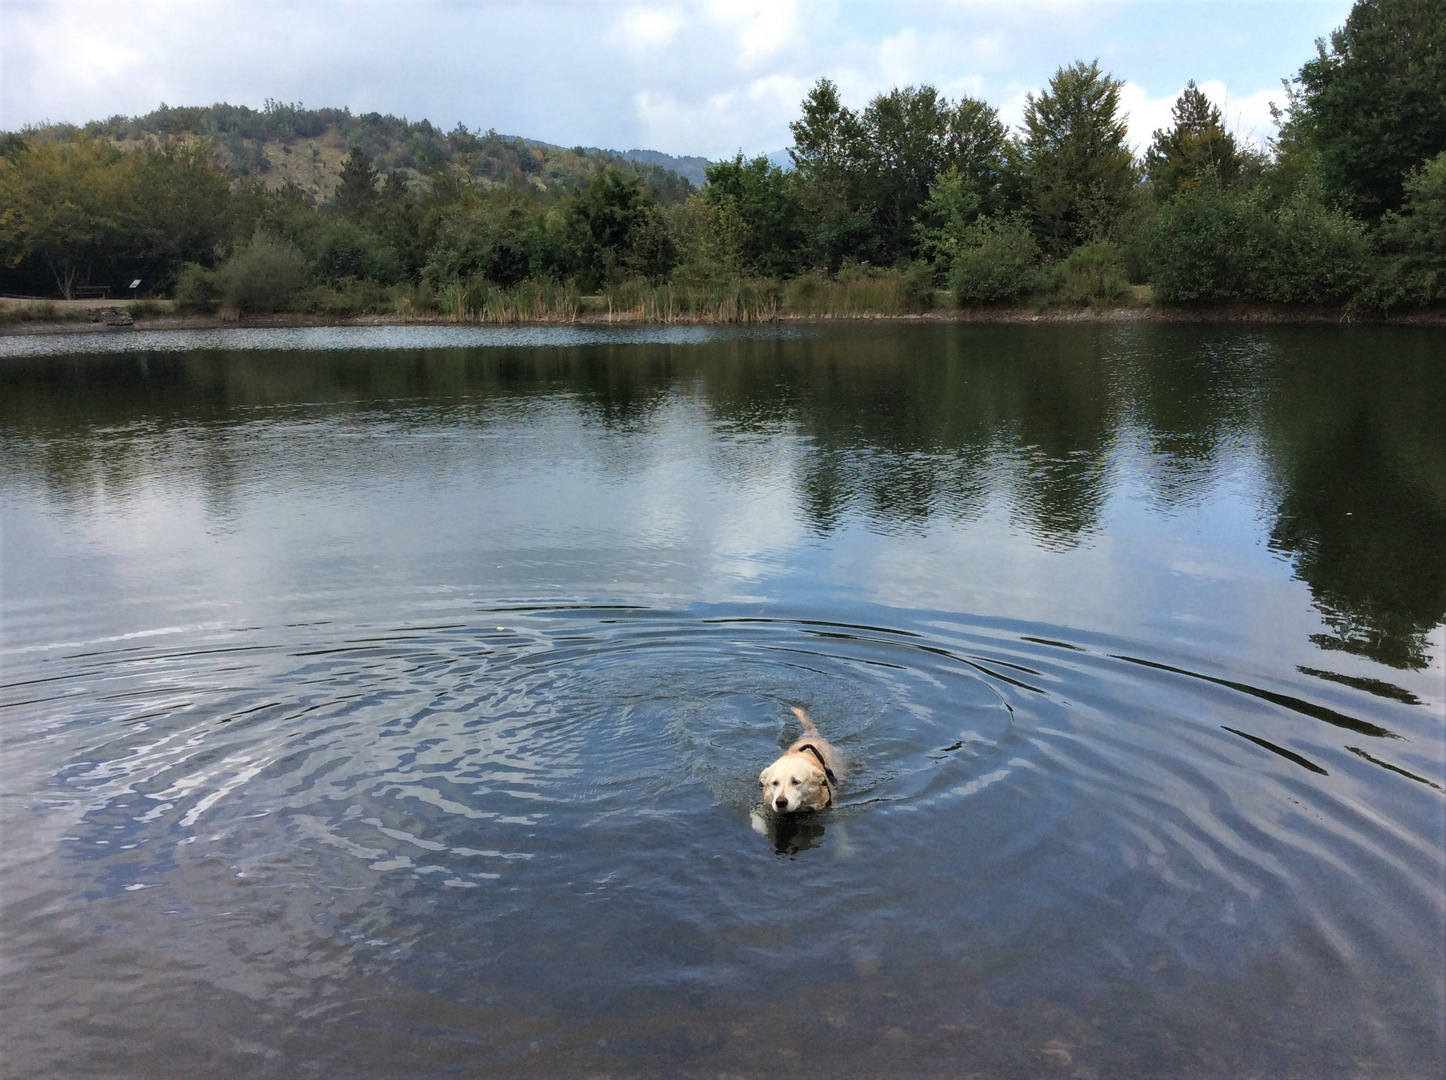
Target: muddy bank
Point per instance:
(1220, 313)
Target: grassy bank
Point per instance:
(16, 311)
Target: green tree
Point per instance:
(356, 197)
(1373, 105)
(767, 201)
(341, 250)
(829, 154)
(1079, 175)
(828, 150)
(906, 132)
(710, 239)
(1414, 240)
(397, 221)
(63, 202)
(976, 147)
(490, 238)
(176, 210)
(945, 220)
(1197, 145)
(602, 219)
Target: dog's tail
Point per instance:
(808, 726)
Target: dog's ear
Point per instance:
(762, 777)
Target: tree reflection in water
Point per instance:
(891, 427)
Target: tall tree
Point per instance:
(766, 199)
(62, 201)
(1198, 145)
(827, 149)
(602, 220)
(356, 197)
(1373, 105)
(907, 131)
(975, 146)
(1078, 172)
(829, 154)
(176, 210)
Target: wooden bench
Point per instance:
(91, 292)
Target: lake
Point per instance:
(387, 702)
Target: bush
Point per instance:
(265, 275)
(39, 311)
(147, 306)
(1093, 275)
(997, 261)
(494, 240)
(1317, 255)
(1208, 244)
(344, 250)
(1211, 245)
(918, 287)
(1413, 242)
(347, 297)
(196, 289)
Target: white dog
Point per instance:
(805, 776)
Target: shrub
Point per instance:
(347, 297)
(1317, 255)
(1413, 242)
(494, 240)
(196, 289)
(918, 287)
(265, 275)
(39, 311)
(1093, 275)
(344, 250)
(1211, 245)
(1208, 244)
(996, 262)
(146, 306)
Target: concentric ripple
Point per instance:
(545, 811)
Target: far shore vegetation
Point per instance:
(913, 202)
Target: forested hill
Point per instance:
(285, 143)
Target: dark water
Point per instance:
(389, 703)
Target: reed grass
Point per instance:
(39, 311)
(536, 300)
(736, 301)
(637, 300)
(818, 296)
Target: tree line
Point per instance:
(1347, 205)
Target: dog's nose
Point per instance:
(780, 803)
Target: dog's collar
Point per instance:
(829, 779)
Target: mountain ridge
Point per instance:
(285, 143)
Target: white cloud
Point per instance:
(656, 73)
(760, 27)
(644, 29)
(1247, 118)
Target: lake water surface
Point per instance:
(389, 702)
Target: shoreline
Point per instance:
(1221, 313)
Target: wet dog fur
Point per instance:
(804, 777)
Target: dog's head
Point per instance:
(794, 782)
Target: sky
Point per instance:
(709, 77)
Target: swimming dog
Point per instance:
(805, 776)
